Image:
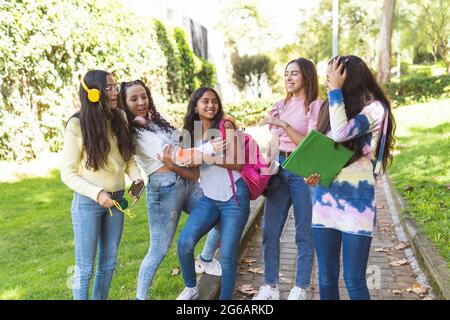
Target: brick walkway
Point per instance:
(385, 282)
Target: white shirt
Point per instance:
(149, 144)
(214, 180)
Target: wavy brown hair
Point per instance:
(156, 116)
(309, 81)
(359, 89)
(94, 117)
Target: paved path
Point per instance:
(385, 281)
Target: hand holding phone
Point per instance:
(136, 189)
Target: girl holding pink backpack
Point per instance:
(289, 120)
(226, 196)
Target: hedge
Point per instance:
(419, 89)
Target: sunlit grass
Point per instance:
(37, 247)
(421, 169)
(435, 69)
(11, 294)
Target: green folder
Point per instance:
(317, 153)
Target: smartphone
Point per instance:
(136, 190)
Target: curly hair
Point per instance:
(155, 115)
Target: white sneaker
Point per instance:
(267, 293)
(213, 267)
(189, 294)
(297, 293)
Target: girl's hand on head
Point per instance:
(312, 180)
(274, 121)
(335, 77)
(105, 200)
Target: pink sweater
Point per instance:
(294, 114)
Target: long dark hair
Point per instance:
(309, 81)
(359, 89)
(156, 116)
(191, 116)
(94, 118)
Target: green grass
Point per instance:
(421, 168)
(37, 247)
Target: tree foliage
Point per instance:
(174, 84)
(421, 29)
(252, 71)
(206, 73)
(187, 62)
(358, 27)
(245, 27)
(45, 46)
(427, 28)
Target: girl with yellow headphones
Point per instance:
(97, 154)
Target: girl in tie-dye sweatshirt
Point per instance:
(358, 115)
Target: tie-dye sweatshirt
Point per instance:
(348, 204)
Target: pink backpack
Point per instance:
(251, 170)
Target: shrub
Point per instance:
(419, 89)
(206, 74)
(174, 84)
(248, 113)
(45, 46)
(186, 57)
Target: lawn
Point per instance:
(37, 252)
(421, 168)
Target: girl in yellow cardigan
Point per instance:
(97, 153)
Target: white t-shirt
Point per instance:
(214, 180)
(149, 144)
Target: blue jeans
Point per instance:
(355, 254)
(167, 195)
(285, 189)
(206, 214)
(93, 227)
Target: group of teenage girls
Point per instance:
(119, 130)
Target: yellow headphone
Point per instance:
(92, 94)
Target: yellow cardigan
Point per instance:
(88, 182)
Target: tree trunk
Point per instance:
(384, 54)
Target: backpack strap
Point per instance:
(230, 174)
(379, 160)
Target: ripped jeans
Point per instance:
(167, 195)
